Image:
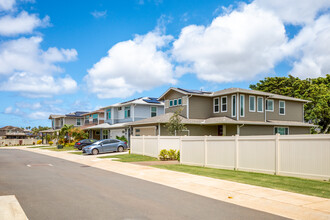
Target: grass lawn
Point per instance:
(131, 158)
(63, 149)
(291, 184)
(38, 146)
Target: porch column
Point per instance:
(101, 134)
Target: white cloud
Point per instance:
(23, 23)
(6, 5)
(235, 46)
(293, 11)
(39, 115)
(312, 50)
(33, 106)
(99, 14)
(132, 66)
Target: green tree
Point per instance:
(317, 91)
(65, 131)
(175, 125)
(78, 134)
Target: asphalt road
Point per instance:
(68, 190)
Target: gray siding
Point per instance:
(200, 107)
(175, 95)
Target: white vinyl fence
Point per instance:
(291, 155)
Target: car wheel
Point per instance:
(120, 149)
(95, 151)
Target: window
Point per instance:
(113, 141)
(215, 105)
(270, 105)
(78, 122)
(109, 113)
(171, 103)
(105, 134)
(282, 107)
(137, 130)
(260, 104)
(153, 111)
(127, 112)
(175, 102)
(252, 103)
(180, 101)
(224, 104)
(119, 108)
(233, 105)
(242, 105)
(281, 130)
(95, 118)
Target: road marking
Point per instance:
(40, 165)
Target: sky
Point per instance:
(58, 57)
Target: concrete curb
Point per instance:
(11, 209)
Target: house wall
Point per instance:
(248, 130)
(200, 107)
(222, 114)
(146, 130)
(175, 95)
(231, 130)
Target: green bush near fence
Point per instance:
(169, 154)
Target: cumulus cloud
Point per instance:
(6, 5)
(132, 66)
(235, 46)
(310, 47)
(99, 14)
(293, 11)
(23, 23)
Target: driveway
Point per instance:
(53, 188)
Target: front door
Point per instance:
(220, 130)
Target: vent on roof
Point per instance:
(194, 91)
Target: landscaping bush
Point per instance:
(61, 141)
(51, 142)
(172, 154)
(6, 145)
(178, 155)
(39, 141)
(122, 138)
(163, 155)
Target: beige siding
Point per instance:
(299, 130)
(231, 130)
(140, 131)
(200, 107)
(222, 114)
(293, 111)
(253, 116)
(175, 95)
(248, 130)
(194, 130)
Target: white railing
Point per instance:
(292, 155)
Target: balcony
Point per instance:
(95, 120)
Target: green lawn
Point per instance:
(131, 158)
(291, 184)
(63, 149)
(38, 146)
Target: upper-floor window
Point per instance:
(180, 101)
(224, 104)
(175, 102)
(119, 108)
(282, 107)
(95, 118)
(171, 103)
(109, 113)
(242, 106)
(78, 122)
(252, 103)
(215, 105)
(127, 112)
(260, 104)
(233, 105)
(270, 105)
(281, 130)
(153, 111)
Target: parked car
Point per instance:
(83, 143)
(104, 146)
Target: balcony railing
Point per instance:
(95, 120)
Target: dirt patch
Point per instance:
(151, 163)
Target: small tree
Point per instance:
(175, 124)
(78, 134)
(65, 131)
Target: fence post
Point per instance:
(180, 147)
(158, 146)
(143, 145)
(205, 151)
(236, 152)
(277, 153)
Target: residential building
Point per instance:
(117, 116)
(75, 118)
(228, 112)
(10, 132)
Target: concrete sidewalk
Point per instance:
(10, 209)
(286, 204)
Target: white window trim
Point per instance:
(254, 103)
(215, 105)
(273, 105)
(232, 109)
(279, 107)
(226, 103)
(151, 110)
(240, 97)
(262, 104)
(178, 101)
(281, 127)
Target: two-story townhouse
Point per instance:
(75, 118)
(117, 116)
(10, 132)
(92, 119)
(229, 112)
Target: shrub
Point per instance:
(34, 143)
(122, 138)
(51, 142)
(178, 155)
(61, 141)
(39, 141)
(172, 154)
(163, 155)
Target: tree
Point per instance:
(65, 131)
(317, 91)
(78, 134)
(175, 125)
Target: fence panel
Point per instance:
(136, 145)
(221, 152)
(169, 142)
(192, 151)
(150, 148)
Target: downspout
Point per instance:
(238, 111)
(239, 129)
(188, 105)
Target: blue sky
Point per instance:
(63, 56)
